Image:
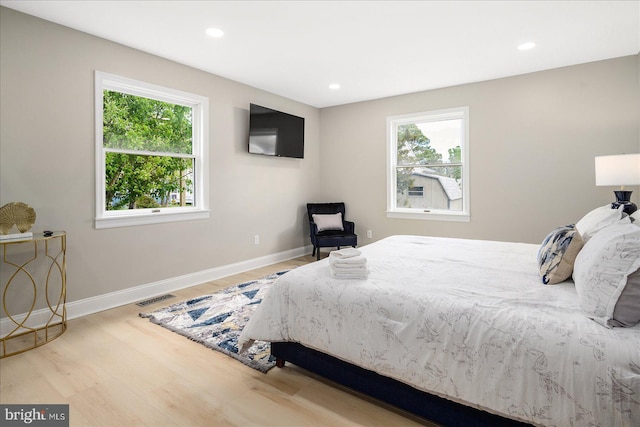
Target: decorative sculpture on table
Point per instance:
(19, 214)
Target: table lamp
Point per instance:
(619, 169)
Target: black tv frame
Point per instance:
(275, 133)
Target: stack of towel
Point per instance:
(348, 264)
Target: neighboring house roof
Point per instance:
(449, 185)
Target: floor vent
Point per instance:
(154, 300)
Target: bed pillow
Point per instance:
(601, 274)
(558, 253)
(598, 219)
(328, 221)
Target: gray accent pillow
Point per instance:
(627, 310)
(328, 221)
(557, 254)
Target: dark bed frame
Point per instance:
(403, 396)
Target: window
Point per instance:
(428, 165)
(151, 153)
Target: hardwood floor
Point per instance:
(114, 368)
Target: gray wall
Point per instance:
(533, 139)
(47, 161)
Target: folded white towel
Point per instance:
(348, 263)
(350, 275)
(345, 253)
(335, 267)
(359, 272)
(356, 260)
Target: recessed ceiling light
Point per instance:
(334, 86)
(526, 46)
(214, 32)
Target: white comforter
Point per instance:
(467, 320)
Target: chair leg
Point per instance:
(318, 255)
(314, 251)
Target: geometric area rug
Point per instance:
(216, 320)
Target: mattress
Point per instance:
(468, 320)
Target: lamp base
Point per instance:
(624, 198)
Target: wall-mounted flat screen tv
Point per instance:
(274, 133)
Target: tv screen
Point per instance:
(274, 133)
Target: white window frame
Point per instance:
(200, 125)
(393, 211)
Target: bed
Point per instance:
(466, 321)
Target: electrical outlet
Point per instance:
(369, 234)
(256, 239)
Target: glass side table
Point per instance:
(34, 292)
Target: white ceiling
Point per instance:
(373, 49)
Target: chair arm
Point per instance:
(349, 227)
(313, 228)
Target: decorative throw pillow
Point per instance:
(328, 221)
(598, 219)
(601, 273)
(558, 253)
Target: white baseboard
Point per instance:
(127, 296)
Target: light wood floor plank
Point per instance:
(114, 369)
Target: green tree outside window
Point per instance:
(148, 152)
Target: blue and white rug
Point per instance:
(216, 320)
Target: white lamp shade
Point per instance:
(620, 169)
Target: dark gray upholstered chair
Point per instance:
(330, 238)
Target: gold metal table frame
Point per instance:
(21, 336)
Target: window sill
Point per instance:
(430, 216)
(149, 218)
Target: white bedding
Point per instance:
(467, 320)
